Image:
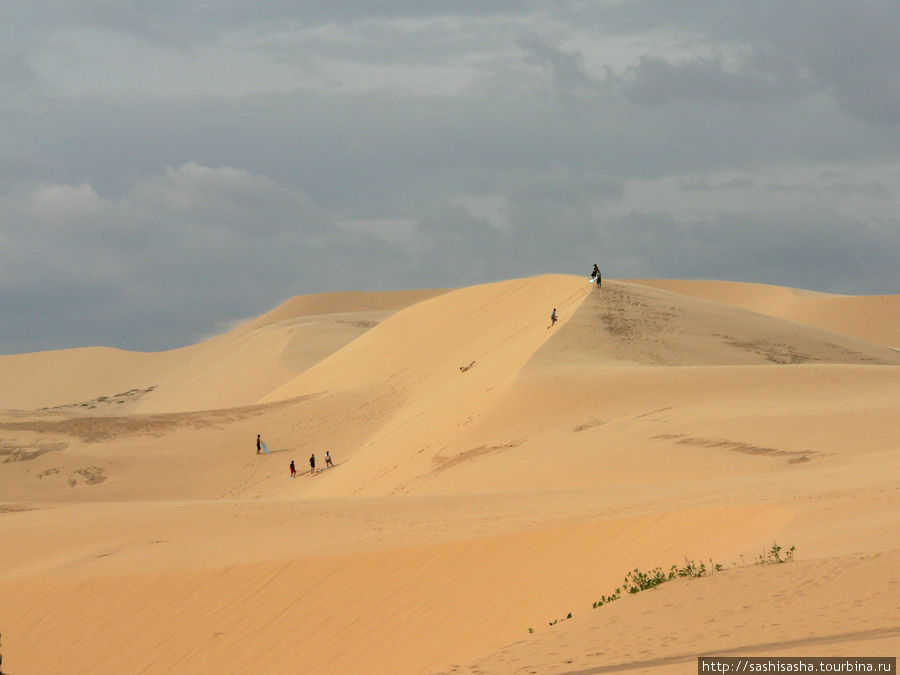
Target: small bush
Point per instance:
(773, 555)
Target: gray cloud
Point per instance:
(194, 244)
(567, 69)
(845, 47)
(656, 80)
(168, 167)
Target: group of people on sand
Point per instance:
(312, 458)
(595, 278)
(312, 463)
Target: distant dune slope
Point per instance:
(343, 302)
(232, 369)
(870, 317)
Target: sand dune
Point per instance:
(233, 369)
(493, 473)
(840, 617)
(874, 317)
(326, 613)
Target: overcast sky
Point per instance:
(169, 167)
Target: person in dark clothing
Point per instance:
(595, 275)
(258, 444)
(293, 469)
(312, 463)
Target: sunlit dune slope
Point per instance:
(870, 317)
(819, 607)
(497, 326)
(232, 369)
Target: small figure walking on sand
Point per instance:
(552, 317)
(312, 463)
(328, 461)
(258, 444)
(595, 275)
(293, 469)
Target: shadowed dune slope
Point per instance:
(871, 317)
(637, 324)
